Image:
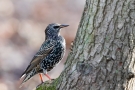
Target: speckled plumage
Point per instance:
(49, 54)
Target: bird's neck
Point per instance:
(52, 36)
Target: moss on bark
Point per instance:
(48, 85)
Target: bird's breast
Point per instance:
(55, 56)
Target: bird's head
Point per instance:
(54, 29)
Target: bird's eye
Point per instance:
(55, 27)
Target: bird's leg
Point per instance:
(40, 75)
(45, 73)
(47, 76)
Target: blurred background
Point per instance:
(22, 25)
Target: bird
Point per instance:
(50, 53)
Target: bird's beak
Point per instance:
(62, 26)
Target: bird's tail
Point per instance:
(27, 76)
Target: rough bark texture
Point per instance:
(103, 55)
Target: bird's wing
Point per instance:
(43, 52)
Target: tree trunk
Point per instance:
(103, 54)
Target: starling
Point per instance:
(50, 53)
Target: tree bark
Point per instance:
(103, 53)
